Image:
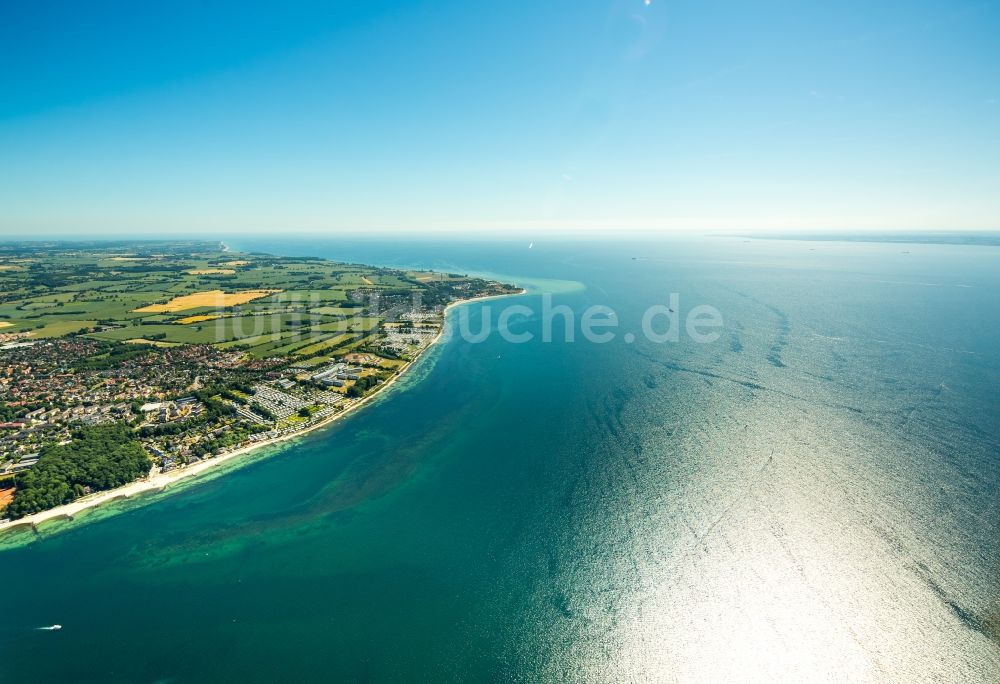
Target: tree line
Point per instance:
(97, 458)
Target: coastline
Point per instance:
(160, 481)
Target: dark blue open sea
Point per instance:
(813, 496)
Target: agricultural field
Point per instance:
(198, 293)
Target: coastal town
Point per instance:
(165, 348)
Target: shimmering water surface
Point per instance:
(814, 496)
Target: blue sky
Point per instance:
(580, 115)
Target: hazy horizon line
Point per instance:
(967, 236)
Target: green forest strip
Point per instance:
(98, 458)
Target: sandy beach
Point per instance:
(159, 481)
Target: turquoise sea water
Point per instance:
(814, 496)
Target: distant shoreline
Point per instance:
(160, 481)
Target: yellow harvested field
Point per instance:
(211, 271)
(196, 319)
(7, 267)
(128, 259)
(155, 343)
(235, 263)
(5, 324)
(214, 298)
